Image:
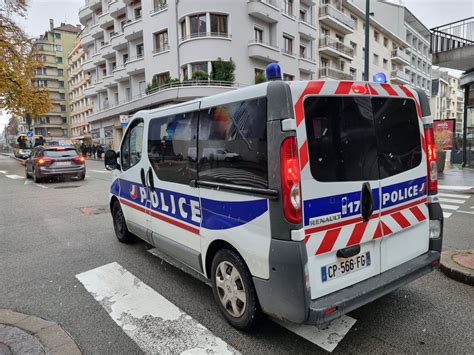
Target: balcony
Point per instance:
(332, 47)
(399, 77)
(133, 29)
(400, 57)
(116, 8)
(88, 65)
(263, 51)
(265, 10)
(307, 65)
(118, 41)
(85, 13)
(95, 31)
(307, 30)
(95, 4)
(158, 9)
(86, 38)
(332, 17)
(332, 73)
(135, 65)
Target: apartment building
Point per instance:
(399, 20)
(79, 105)
(342, 45)
(447, 98)
(53, 48)
(131, 43)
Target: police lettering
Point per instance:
(400, 195)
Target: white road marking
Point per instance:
(28, 182)
(327, 336)
(467, 212)
(451, 200)
(453, 195)
(3, 171)
(455, 188)
(154, 323)
(42, 186)
(447, 214)
(99, 171)
(14, 177)
(449, 207)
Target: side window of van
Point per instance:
(131, 149)
(233, 144)
(172, 147)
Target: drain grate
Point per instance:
(67, 187)
(94, 210)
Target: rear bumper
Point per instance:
(364, 292)
(43, 171)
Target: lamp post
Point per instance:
(367, 38)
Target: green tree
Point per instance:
(223, 70)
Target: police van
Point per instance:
(327, 201)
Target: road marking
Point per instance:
(447, 214)
(453, 195)
(149, 319)
(15, 177)
(467, 212)
(327, 336)
(28, 182)
(455, 188)
(99, 171)
(3, 172)
(42, 186)
(449, 207)
(451, 200)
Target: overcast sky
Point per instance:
(431, 12)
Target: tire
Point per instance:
(81, 176)
(120, 225)
(240, 313)
(36, 178)
(26, 173)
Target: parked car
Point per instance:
(22, 153)
(55, 162)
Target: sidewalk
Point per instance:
(457, 177)
(24, 334)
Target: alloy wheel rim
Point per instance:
(230, 289)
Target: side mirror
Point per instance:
(110, 160)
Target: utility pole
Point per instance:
(367, 38)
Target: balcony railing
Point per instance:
(401, 54)
(331, 11)
(158, 8)
(327, 72)
(269, 2)
(206, 34)
(162, 49)
(337, 45)
(398, 74)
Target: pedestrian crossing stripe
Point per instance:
(449, 207)
(447, 214)
(14, 177)
(451, 200)
(442, 194)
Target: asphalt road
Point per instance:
(45, 240)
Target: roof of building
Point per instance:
(68, 28)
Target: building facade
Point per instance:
(79, 105)
(447, 98)
(53, 48)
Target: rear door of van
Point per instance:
(339, 183)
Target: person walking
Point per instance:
(94, 151)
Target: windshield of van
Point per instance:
(361, 138)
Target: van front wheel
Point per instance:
(120, 226)
(233, 289)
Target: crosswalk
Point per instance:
(451, 202)
(158, 326)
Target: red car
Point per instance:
(55, 162)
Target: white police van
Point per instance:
(330, 204)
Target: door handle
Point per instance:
(367, 201)
(150, 179)
(142, 176)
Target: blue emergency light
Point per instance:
(273, 72)
(380, 78)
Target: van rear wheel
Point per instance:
(120, 226)
(233, 290)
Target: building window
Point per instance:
(354, 47)
(62, 96)
(60, 72)
(41, 71)
(376, 36)
(183, 29)
(376, 59)
(324, 63)
(59, 47)
(385, 63)
(259, 75)
(200, 68)
(140, 50)
(57, 35)
(59, 59)
(137, 12)
(353, 72)
(198, 24)
(302, 51)
(287, 45)
(61, 83)
(63, 108)
(161, 41)
(385, 42)
(324, 32)
(340, 38)
(303, 15)
(355, 21)
(159, 4)
(288, 77)
(161, 79)
(258, 34)
(219, 24)
(125, 58)
(289, 7)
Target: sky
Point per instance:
(431, 12)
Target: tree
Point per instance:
(223, 70)
(12, 127)
(18, 65)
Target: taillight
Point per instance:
(432, 166)
(290, 180)
(79, 159)
(43, 161)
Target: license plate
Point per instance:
(63, 163)
(345, 266)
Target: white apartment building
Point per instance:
(399, 20)
(447, 98)
(80, 105)
(128, 42)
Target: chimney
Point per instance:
(51, 24)
(63, 23)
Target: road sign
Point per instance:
(123, 120)
(29, 134)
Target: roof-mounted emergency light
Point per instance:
(273, 72)
(380, 78)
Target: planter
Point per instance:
(440, 160)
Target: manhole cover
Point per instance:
(89, 211)
(67, 187)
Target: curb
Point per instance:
(455, 271)
(53, 338)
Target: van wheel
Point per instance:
(120, 226)
(26, 173)
(36, 178)
(233, 290)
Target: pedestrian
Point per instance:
(99, 151)
(94, 151)
(83, 149)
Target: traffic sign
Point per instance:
(29, 134)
